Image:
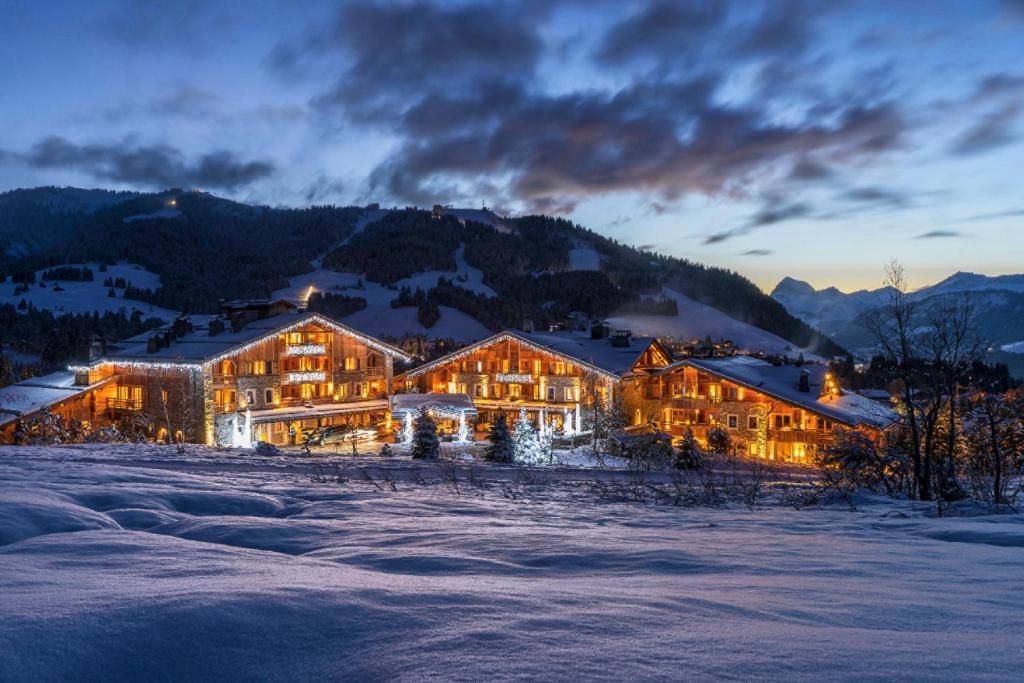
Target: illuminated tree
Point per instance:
(501, 448)
(425, 445)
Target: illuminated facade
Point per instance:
(554, 377)
(261, 371)
(776, 412)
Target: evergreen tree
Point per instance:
(425, 445)
(501, 447)
(719, 440)
(7, 374)
(688, 457)
(526, 447)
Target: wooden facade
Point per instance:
(761, 424)
(508, 373)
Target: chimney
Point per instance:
(97, 348)
(216, 327)
(598, 329)
(805, 381)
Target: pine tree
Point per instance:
(7, 374)
(425, 445)
(688, 457)
(719, 440)
(501, 447)
(526, 445)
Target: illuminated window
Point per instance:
(715, 392)
(504, 365)
(569, 393)
(351, 363)
(227, 367)
(295, 338)
(753, 448)
(537, 367)
(479, 366)
(515, 391)
(259, 367)
(559, 368)
(308, 391)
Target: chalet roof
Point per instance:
(597, 355)
(32, 395)
(198, 346)
(782, 382)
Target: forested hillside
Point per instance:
(205, 248)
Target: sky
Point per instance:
(816, 139)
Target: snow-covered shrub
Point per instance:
(45, 429)
(855, 460)
(135, 427)
(264, 448)
(649, 452)
(500, 448)
(385, 451)
(425, 445)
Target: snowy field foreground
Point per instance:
(132, 563)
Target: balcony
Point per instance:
(807, 436)
(124, 404)
(684, 403)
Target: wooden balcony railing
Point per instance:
(124, 403)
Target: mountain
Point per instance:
(998, 302)
(465, 271)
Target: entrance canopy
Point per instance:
(441, 405)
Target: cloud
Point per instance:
(158, 166)
(774, 210)
(875, 195)
(758, 252)
(660, 29)
(808, 169)
(1009, 213)
(937, 234)
(995, 130)
(389, 53)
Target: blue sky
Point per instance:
(813, 139)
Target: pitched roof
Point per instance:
(199, 347)
(597, 355)
(783, 381)
(34, 394)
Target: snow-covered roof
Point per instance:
(597, 355)
(34, 394)
(198, 346)
(416, 403)
(783, 382)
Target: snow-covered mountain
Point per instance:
(998, 303)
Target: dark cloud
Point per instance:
(995, 130)
(808, 170)
(152, 166)
(390, 53)
(934, 234)
(459, 87)
(662, 29)
(774, 210)
(758, 252)
(875, 195)
(556, 150)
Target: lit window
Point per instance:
(351, 363)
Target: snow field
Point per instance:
(134, 563)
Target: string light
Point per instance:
(507, 336)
